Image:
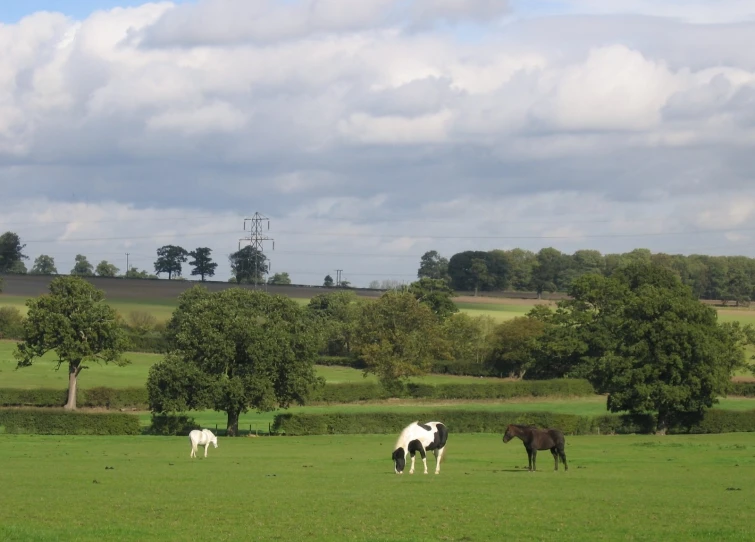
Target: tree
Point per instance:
(11, 254)
(328, 282)
(644, 339)
(202, 263)
(82, 267)
(249, 265)
(234, 350)
(75, 322)
(280, 279)
(335, 315)
(547, 273)
(514, 346)
(398, 337)
(134, 273)
(469, 337)
(374, 285)
(436, 294)
(169, 260)
(44, 265)
(18, 268)
(105, 269)
(433, 266)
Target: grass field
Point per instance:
(675, 488)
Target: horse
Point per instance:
(535, 439)
(201, 438)
(418, 437)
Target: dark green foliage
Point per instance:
(248, 265)
(433, 266)
(514, 346)
(82, 267)
(202, 263)
(171, 425)
(153, 342)
(334, 316)
(234, 350)
(169, 260)
(11, 254)
(44, 265)
(469, 421)
(111, 398)
(461, 368)
(436, 294)
(59, 422)
(350, 392)
(742, 389)
(341, 361)
(11, 323)
(76, 323)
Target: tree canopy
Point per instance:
(82, 267)
(436, 294)
(44, 265)
(74, 321)
(106, 269)
(249, 265)
(234, 350)
(398, 337)
(202, 263)
(280, 279)
(169, 260)
(11, 253)
(433, 266)
(643, 338)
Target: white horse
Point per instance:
(201, 438)
(418, 437)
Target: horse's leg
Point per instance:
(534, 458)
(562, 453)
(193, 450)
(424, 457)
(555, 456)
(438, 457)
(411, 470)
(205, 448)
(529, 457)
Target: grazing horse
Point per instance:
(418, 437)
(201, 438)
(538, 439)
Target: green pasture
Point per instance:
(43, 373)
(674, 488)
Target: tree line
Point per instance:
(725, 278)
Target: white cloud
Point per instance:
(344, 118)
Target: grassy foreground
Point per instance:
(343, 488)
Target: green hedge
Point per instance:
(742, 389)
(59, 422)
(94, 397)
(172, 425)
(468, 421)
(351, 392)
(153, 343)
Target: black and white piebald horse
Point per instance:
(419, 437)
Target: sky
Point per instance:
(371, 132)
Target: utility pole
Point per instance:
(127, 253)
(338, 277)
(256, 239)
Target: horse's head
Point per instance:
(508, 435)
(214, 441)
(399, 460)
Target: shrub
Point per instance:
(95, 397)
(742, 389)
(172, 425)
(153, 343)
(341, 361)
(11, 323)
(141, 322)
(470, 421)
(60, 422)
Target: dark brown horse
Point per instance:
(538, 439)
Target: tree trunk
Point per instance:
(662, 425)
(232, 429)
(73, 374)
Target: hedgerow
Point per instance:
(60, 422)
(135, 398)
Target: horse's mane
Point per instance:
(401, 440)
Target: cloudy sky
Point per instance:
(372, 131)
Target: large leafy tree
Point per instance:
(134, 273)
(436, 294)
(514, 346)
(74, 321)
(249, 265)
(106, 269)
(336, 316)
(169, 260)
(82, 267)
(234, 350)
(11, 255)
(281, 279)
(433, 266)
(642, 337)
(202, 263)
(44, 265)
(398, 337)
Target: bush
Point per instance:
(95, 397)
(469, 421)
(172, 425)
(151, 343)
(341, 361)
(461, 368)
(60, 422)
(742, 389)
(141, 322)
(11, 323)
